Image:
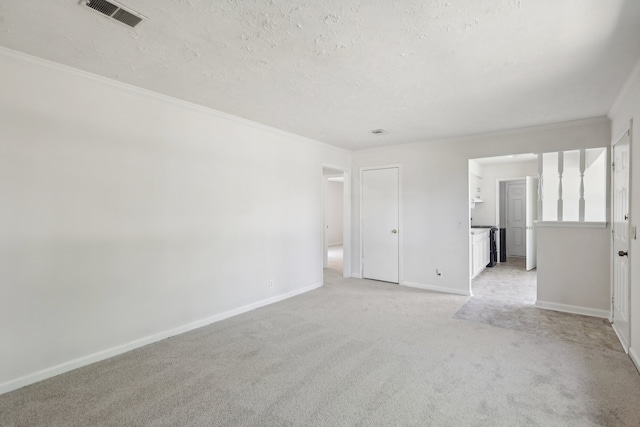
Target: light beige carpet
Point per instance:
(504, 296)
(354, 352)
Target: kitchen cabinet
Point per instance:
(475, 187)
(479, 251)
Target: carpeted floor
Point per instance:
(354, 352)
(504, 296)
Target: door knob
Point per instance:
(623, 253)
(394, 231)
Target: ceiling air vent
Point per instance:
(116, 11)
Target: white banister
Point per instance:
(581, 203)
(540, 184)
(560, 172)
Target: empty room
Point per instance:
(333, 213)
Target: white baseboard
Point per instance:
(442, 289)
(624, 343)
(574, 309)
(634, 358)
(114, 351)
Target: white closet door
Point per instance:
(380, 219)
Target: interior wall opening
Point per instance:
(503, 206)
(336, 220)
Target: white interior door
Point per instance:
(516, 220)
(620, 215)
(531, 215)
(380, 218)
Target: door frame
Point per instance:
(346, 216)
(531, 237)
(400, 227)
(628, 131)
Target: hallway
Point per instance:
(335, 257)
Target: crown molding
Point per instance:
(497, 134)
(51, 66)
(627, 87)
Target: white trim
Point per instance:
(634, 357)
(114, 351)
(442, 289)
(500, 133)
(627, 132)
(400, 225)
(44, 64)
(625, 90)
(356, 275)
(570, 224)
(623, 342)
(574, 309)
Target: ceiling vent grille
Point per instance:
(115, 11)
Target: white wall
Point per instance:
(126, 217)
(626, 108)
(435, 218)
(485, 213)
(333, 212)
(571, 273)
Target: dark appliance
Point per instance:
(503, 245)
(493, 247)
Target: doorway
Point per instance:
(336, 220)
(508, 203)
(517, 211)
(514, 213)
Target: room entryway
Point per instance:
(336, 206)
(515, 212)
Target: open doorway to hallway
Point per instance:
(333, 220)
(336, 220)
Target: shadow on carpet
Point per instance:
(585, 330)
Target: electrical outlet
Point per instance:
(271, 283)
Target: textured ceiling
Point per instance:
(333, 70)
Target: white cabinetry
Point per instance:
(475, 186)
(479, 250)
(475, 189)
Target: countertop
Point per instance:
(480, 230)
